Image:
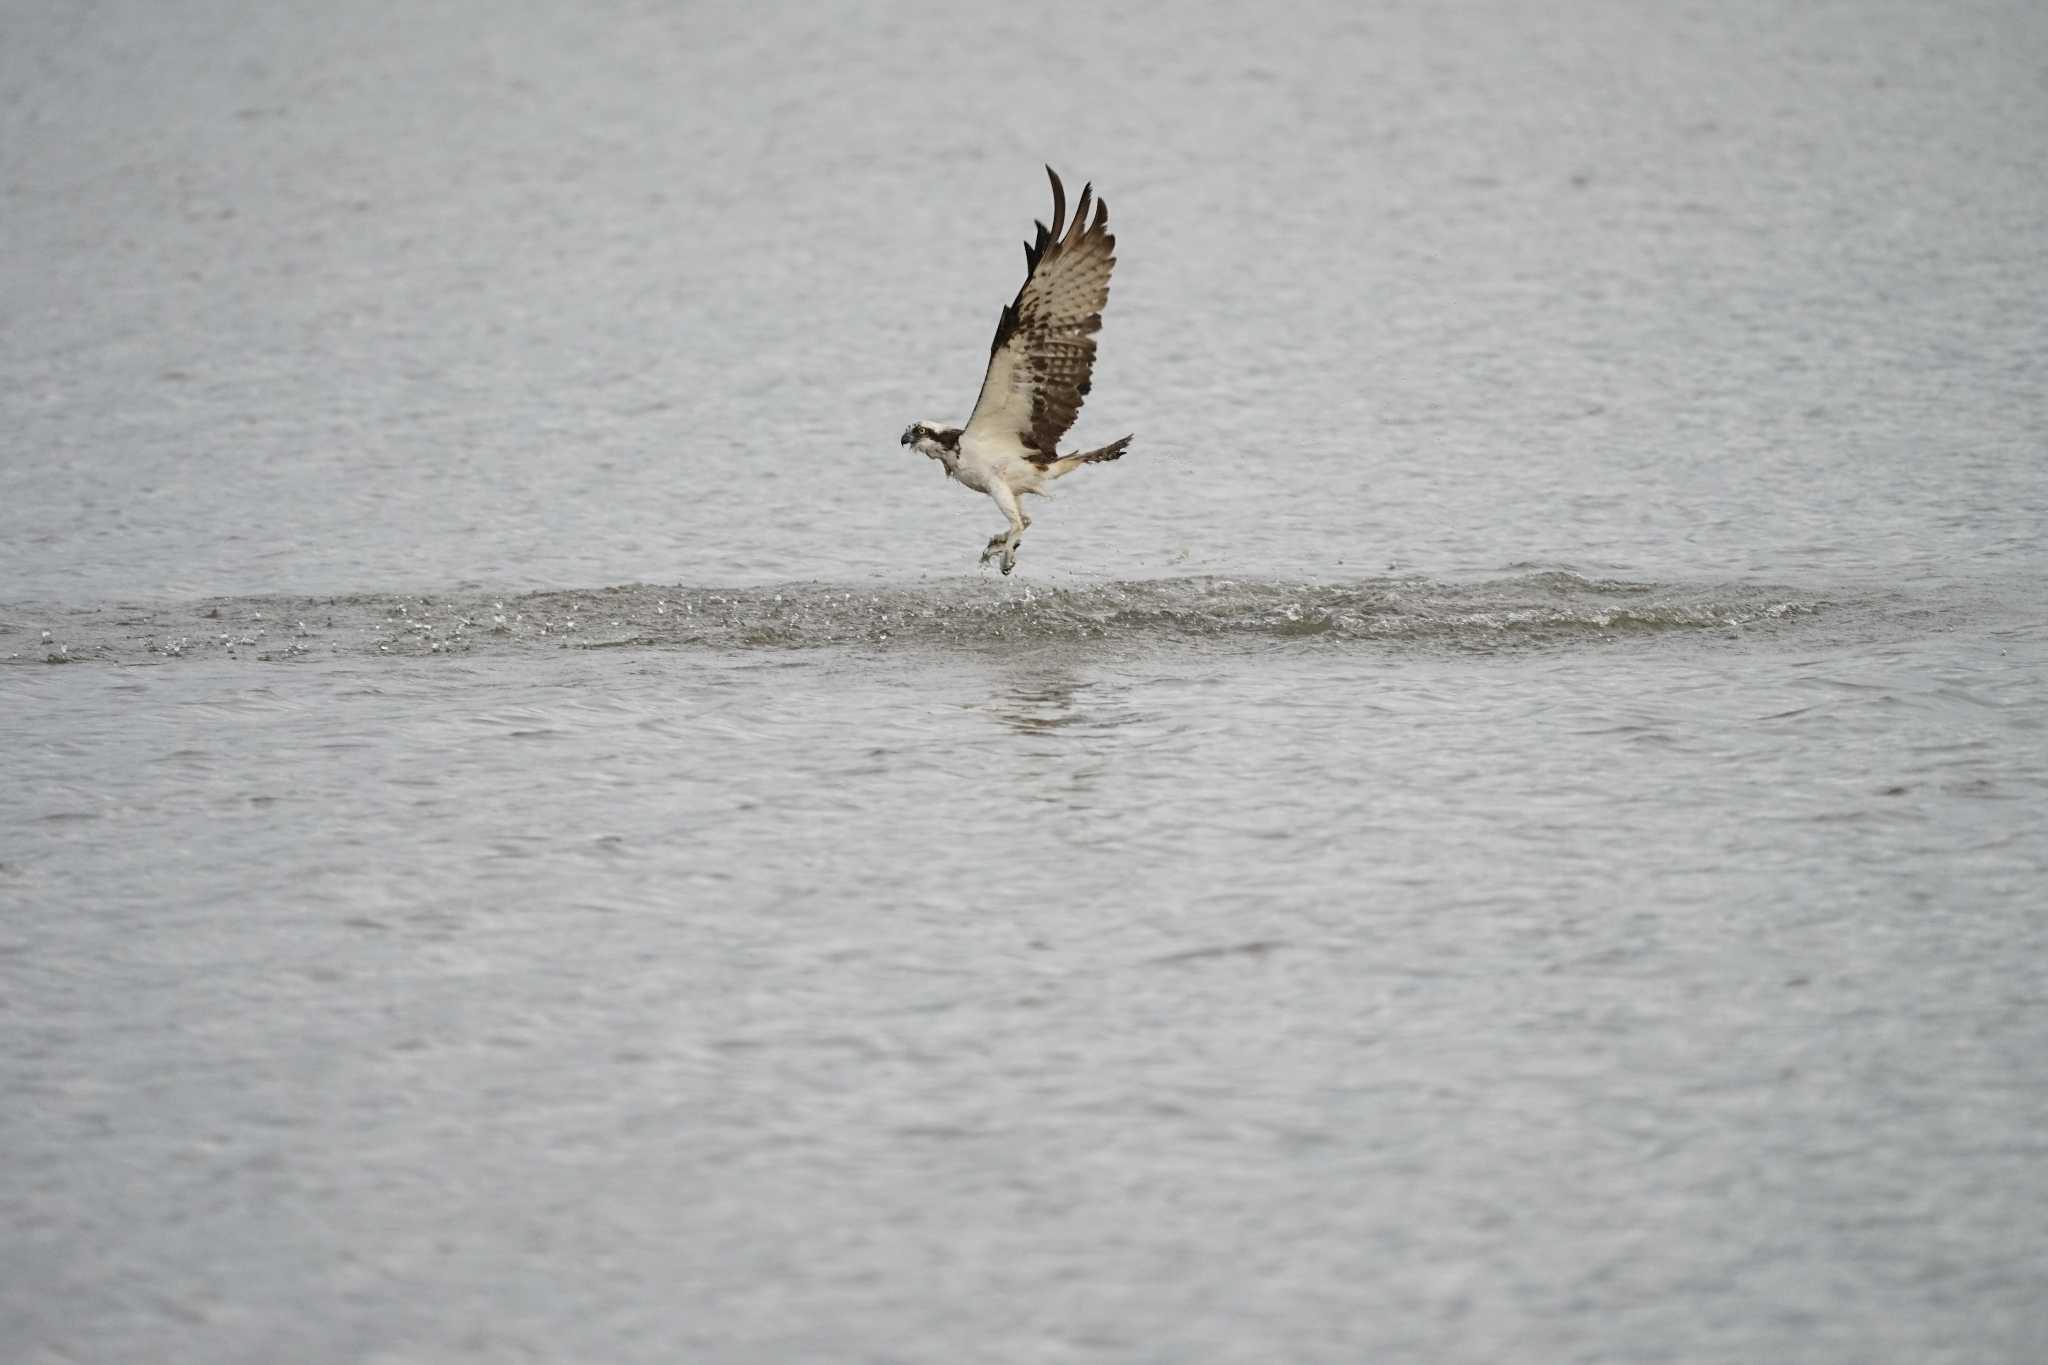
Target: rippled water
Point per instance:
(1513, 826)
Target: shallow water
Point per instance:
(1512, 826)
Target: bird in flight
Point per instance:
(1038, 371)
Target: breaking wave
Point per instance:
(1530, 610)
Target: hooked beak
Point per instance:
(906, 437)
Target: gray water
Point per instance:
(1512, 826)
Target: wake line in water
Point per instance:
(1536, 609)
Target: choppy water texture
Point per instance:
(1513, 826)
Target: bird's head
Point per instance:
(935, 439)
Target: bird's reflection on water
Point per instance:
(1048, 694)
(1044, 703)
(1075, 729)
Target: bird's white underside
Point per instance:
(994, 463)
(983, 460)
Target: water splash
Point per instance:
(1548, 608)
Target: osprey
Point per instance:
(1037, 374)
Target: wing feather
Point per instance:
(1044, 349)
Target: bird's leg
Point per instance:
(1006, 543)
(1001, 539)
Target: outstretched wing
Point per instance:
(1039, 364)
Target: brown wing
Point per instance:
(1044, 350)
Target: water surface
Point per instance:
(1510, 827)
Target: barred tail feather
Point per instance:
(1068, 464)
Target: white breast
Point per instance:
(988, 460)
